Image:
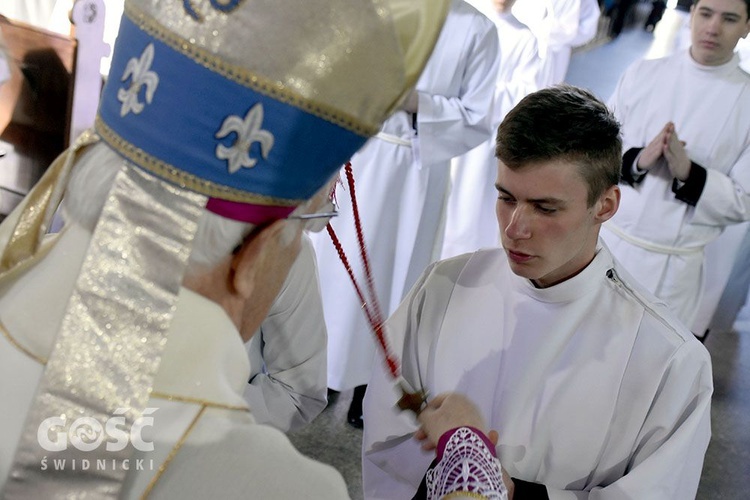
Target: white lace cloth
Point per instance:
(467, 466)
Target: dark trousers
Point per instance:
(618, 13)
(657, 10)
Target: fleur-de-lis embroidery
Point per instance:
(224, 6)
(248, 131)
(139, 70)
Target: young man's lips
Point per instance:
(518, 256)
(709, 44)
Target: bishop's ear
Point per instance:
(607, 205)
(262, 262)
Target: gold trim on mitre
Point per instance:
(181, 178)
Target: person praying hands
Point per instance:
(651, 154)
(677, 158)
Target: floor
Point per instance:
(726, 473)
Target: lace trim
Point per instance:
(467, 466)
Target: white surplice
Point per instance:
(401, 184)
(287, 354)
(470, 221)
(559, 25)
(595, 389)
(710, 107)
(204, 369)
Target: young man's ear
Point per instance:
(607, 205)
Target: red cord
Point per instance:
(372, 309)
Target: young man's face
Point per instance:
(716, 26)
(547, 230)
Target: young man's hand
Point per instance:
(677, 157)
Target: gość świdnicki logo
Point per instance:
(88, 434)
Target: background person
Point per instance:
(686, 167)
(469, 221)
(402, 178)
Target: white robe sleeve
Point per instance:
(290, 390)
(561, 24)
(392, 465)
(726, 198)
(449, 126)
(588, 24)
(527, 77)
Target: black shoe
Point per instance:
(332, 396)
(356, 422)
(354, 415)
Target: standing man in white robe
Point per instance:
(469, 221)
(402, 178)
(595, 389)
(726, 286)
(686, 134)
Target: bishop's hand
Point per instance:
(445, 412)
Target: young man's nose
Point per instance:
(714, 25)
(519, 225)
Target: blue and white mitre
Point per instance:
(256, 103)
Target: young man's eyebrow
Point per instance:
(546, 201)
(708, 10)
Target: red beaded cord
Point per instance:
(372, 309)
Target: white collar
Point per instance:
(585, 282)
(718, 70)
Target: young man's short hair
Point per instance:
(564, 123)
(747, 6)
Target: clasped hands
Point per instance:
(668, 147)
